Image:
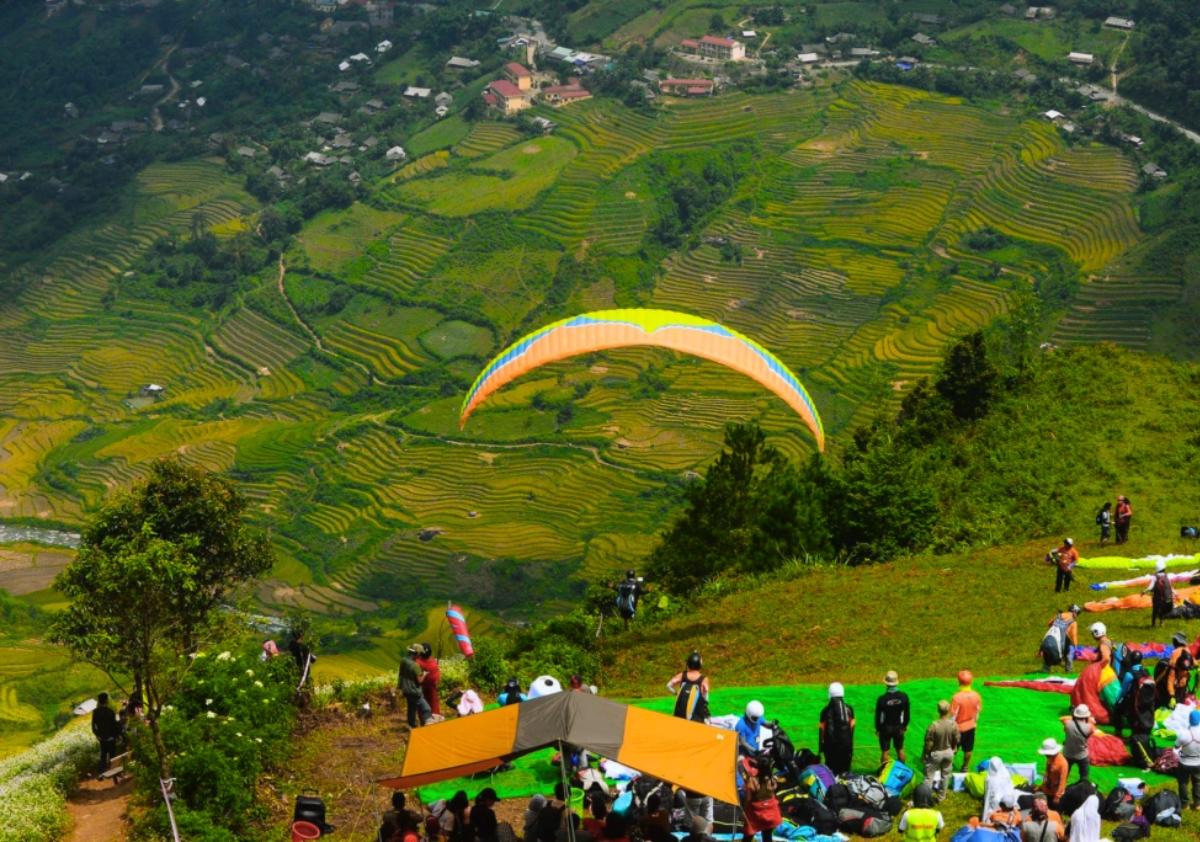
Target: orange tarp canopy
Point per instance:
(696, 757)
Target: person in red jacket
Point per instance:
(430, 678)
(1124, 516)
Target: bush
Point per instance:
(489, 669)
(34, 784)
(456, 673)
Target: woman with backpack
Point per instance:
(1162, 594)
(1104, 521)
(691, 690)
(836, 737)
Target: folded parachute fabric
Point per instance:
(1184, 577)
(1136, 600)
(1107, 750)
(1045, 685)
(1149, 562)
(1097, 687)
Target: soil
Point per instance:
(97, 811)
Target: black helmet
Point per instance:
(1179, 639)
(513, 686)
(1135, 657)
(426, 650)
(1075, 609)
(631, 574)
(693, 661)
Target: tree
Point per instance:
(153, 566)
(968, 380)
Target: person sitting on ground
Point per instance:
(529, 821)
(1060, 640)
(941, 744)
(891, 718)
(455, 822)
(655, 822)
(392, 818)
(760, 807)
(511, 694)
(552, 816)
(836, 731)
(1085, 822)
(1078, 727)
(966, 705)
(106, 730)
(1187, 740)
(1054, 782)
(997, 787)
(483, 817)
(691, 687)
(408, 829)
(1008, 815)
(1162, 594)
(921, 822)
(1043, 824)
(615, 828)
(577, 831)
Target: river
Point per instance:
(11, 534)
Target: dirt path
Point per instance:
(156, 119)
(1112, 70)
(97, 811)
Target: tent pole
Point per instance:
(562, 770)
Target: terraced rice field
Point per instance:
(849, 262)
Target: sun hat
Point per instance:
(891, 679)
(965, 677)
(1082, 712)
(1050, 747)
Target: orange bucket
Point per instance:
(305, 831)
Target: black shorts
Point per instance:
(966, 741)
(890, 735)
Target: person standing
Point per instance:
(1178, 674)
(1078, 727)
(1054, 782)
(836, 738)
(484, 827)
(410, 686)
(941, 744)
(1162, 594)
(106, 731)
(891, 718)
(1123, 518)
(922, 822)
(629, 591)
(760, 807)
(691, 690)
(966, 705)
(1104, 520)
(1064, 559)
(431, 677)
(1188, 743)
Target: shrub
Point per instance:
(34, 784)
(489, 669)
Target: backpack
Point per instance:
(1052, 646)
(867, 790)
(863, 821)
(897, 778)
(837, 796)
(817, 779)
(1164, 594)
(1100, 518)
(1128, 832)
(1074, 796)
(1163, 808)
(627, 599)
(812, 813)
(1166, 763)
(1118, 806)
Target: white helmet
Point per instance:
(1099, 630)
(836, 691)
(1070, 542)
(754, 710)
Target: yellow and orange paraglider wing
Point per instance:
(605, 329)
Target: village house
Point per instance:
(686, 87)
(929, 19)
(443, 99)
(374, 106)
(560, 95)
(152, 390)
(1025, 76)
(396, 153)
(319, 159)
(383, 46)
(715, 47)
(924, 40)
(328, 118)
(808, 58)
(1115, 22)
(246, 152)
(461, 63)
(413, 92)
(863, 52)
(1039, 13)
(1053, 115)
(505, 96)
(1080, 58)
(1131, 139)
(1154, 171)
(518, 75)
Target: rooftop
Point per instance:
(717, 40)
(515, 69)
(506, 89)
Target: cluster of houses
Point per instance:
(518, 88)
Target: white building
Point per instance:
(396, 153)
(1080, 58)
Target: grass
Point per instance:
(441, 135)
(334, 238)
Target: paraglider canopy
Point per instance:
(604, 329)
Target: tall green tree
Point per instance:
(153, 566)
(968, 381)
(750, 512)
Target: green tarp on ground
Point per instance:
(1013, 724)
(1141, 564)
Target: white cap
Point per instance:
(754, 709)
(836, 691)
(1070, 542)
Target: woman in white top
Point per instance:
(1085, 822)
(1187, 740)
(997, 787)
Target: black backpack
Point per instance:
(837, 796)
(1129, 832)
(814, 814)
(1118, 806)
(1163, 808)
(863, 821)
(1074, 796)
(627, 599)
